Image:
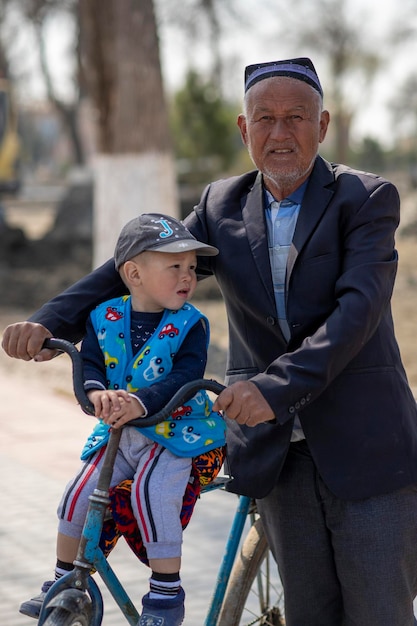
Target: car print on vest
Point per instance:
(154, 370)
(169, 330)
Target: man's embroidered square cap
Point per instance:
(300, 69)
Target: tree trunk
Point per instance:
(134, 168)
(126, 185)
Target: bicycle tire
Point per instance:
(234, 611)
(62, 617)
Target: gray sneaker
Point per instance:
(32, 607)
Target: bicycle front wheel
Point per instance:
(254, 594)
(62, 617)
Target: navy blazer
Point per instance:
(341, 370)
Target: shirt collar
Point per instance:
(296, 196)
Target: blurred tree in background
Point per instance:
(205, 21)
(118, 70)
(134, 168)
(34, 16)
(146, 141)
(205, 135)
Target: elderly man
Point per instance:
(322, 422)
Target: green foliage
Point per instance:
(205, 135)
(371, 156)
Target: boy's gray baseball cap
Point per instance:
(158, 232)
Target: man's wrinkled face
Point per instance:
(282, 128)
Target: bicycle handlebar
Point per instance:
(77, 370)
(183, 394)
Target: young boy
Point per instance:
(138, 351)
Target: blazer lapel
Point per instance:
(315, 201)
(253, 214)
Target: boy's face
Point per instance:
(163, 280)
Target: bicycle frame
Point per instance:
(91, 557)
(77, 591)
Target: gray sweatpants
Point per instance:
(159, 482)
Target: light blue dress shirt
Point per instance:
(281, 219)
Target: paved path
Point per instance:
(41, 435)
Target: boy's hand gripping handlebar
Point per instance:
(183, 394)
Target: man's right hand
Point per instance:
(24, 340)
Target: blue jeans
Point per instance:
(342, 563)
